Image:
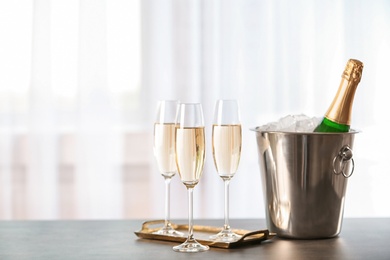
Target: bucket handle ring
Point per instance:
(344, 156)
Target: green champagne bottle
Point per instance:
(338, 116)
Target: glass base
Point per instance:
(225, 236)
(168, 231)
(190, 246)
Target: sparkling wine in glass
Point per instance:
(226, 141)
(190, 156)
(164, 151)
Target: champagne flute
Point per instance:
(164, 151)
(226, 140)
(190, 156)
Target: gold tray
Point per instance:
(202, 233)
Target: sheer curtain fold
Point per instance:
(42, 126)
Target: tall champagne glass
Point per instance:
(190, 156)
(226, 140)
(164, 151)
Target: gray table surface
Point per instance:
(115, 239)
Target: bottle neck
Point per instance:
(340, 110)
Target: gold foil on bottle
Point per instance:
(341, 108)
(353, 70)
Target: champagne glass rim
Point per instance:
(226, 111)
(196, 109)
(166, 111)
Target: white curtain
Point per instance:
(79, 81)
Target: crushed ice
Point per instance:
(292, 123)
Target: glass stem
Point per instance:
(167, 201)
(226, 226)
(190, 214)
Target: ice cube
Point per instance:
(292, 123)
(286, 123)
(307, 125)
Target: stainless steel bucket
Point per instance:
(304, 177)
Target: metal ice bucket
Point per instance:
(304, 177)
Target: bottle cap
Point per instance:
(353, 70)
